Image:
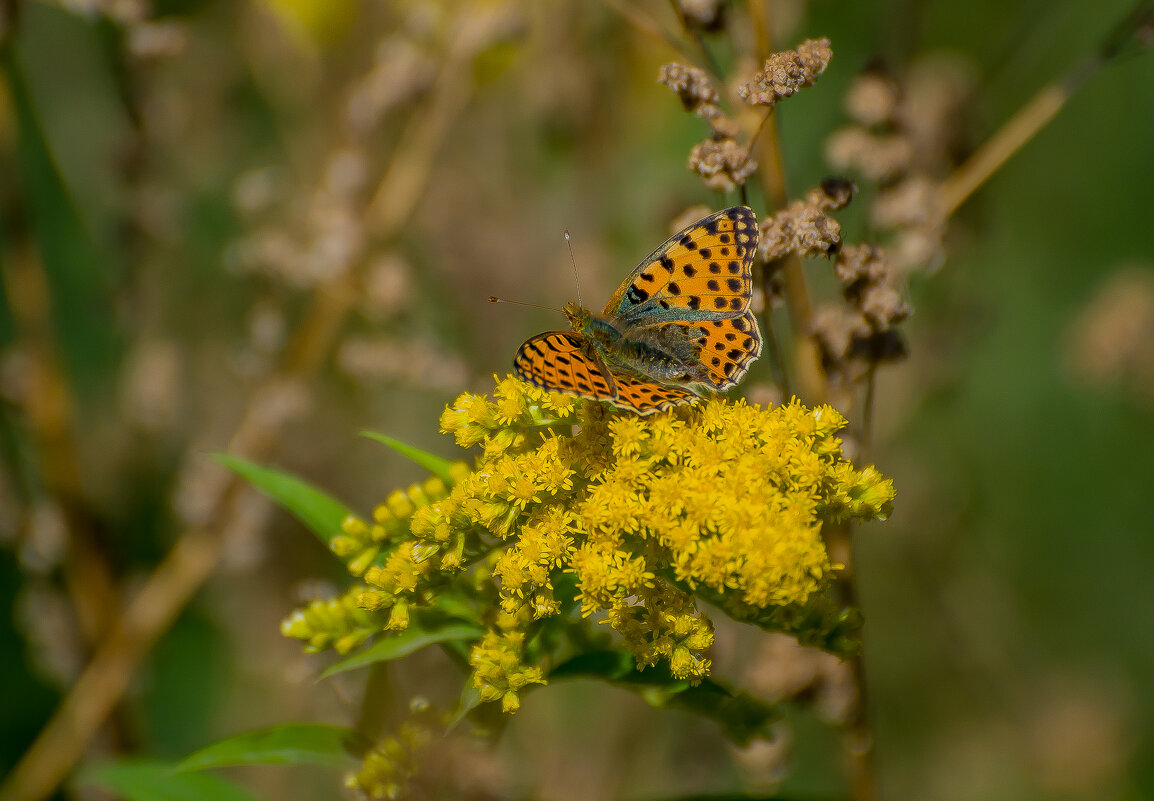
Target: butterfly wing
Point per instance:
(562, 361)
(701, 273)
(644, 397)
(726, 347)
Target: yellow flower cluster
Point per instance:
(573, 507)
(389, 765)
(499, 671)
(644, 511)
(338, 623)
(384, 554)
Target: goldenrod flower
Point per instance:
(498, 671)
(570, 504)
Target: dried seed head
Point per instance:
(722, 163)
(878, 158)
(849, 348)
(787, 72)
(1112, 340)
(835, 327)
(866, 273)
(832, 194)
(882, 305)
(815, 233)
(860, 263)
(859, 335)
(906, 204)
(872, 99)
(693, 87)
(705, 15)
(919, 248)
(805, 228)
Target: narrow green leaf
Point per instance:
(159, 781)
(79, 270)
(290, 744)
(321, 513)
(431, 462)
(395, 646)
(470, 700)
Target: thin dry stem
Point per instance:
(998, 149)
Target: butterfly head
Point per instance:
(578, 316)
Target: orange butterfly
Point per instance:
(678, 327)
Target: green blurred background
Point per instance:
(184, 183)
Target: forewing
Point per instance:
(701, 273)
(644, 397)
(560, 361)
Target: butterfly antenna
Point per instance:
(495, 299)
(573, 261)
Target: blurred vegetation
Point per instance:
(263, 226)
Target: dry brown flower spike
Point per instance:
(787, 72)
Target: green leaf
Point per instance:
(742, 716)
(411, 639)
(290, 744)
(613, 666)
(470, 700)
(79, 270)
(159, 781)
(431, 462)
(321, 513)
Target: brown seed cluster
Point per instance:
(1111, 341)
(787, 72)
(805, 228)
(856, 336)
(704, 15)
(693, 87)
(722, 163)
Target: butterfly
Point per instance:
(678, 327)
